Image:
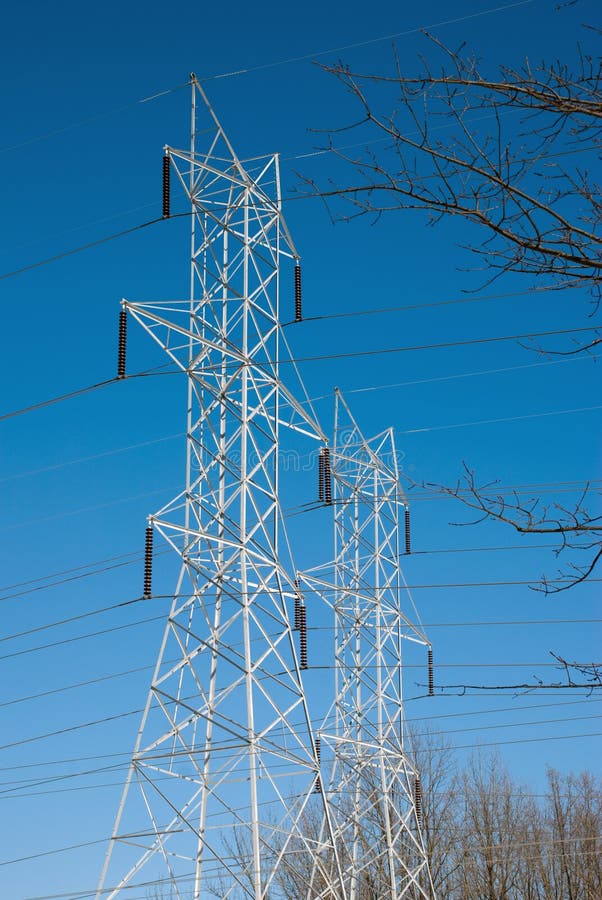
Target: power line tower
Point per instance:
(372, 788)
(225, 763)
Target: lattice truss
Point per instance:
(367, 778)
(225, 763)
(231, 793)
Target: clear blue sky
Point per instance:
(80, 160)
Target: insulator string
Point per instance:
(298, 308)
(303, 635)
(122, 341)
(148, 562)
(327, 477)
(321, 475)
(418, 801)
(166, 187)
(431, 673)
(407, 530)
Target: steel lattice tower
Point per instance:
(371, 786)
(225, 762)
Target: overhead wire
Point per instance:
(94, 118)
(125, 714)
(273, 64)
(146, 620)
(379, 351)
(434, 304)
(364, 43)
(57, 583)
(228, 751)
(439, 378)
(145, 373)
(317, 722)
(88, 246)
(319, 358)
(497, 420)
(135, 556)
(475, 745)
(94, 456)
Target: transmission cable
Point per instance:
(89, 245)
(323, 357)
(386, 350)
(365, 43)
(376, 311)
(156, 370)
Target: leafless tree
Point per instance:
(574, 527)
(487, 838)
(441, 793)
(508, 156)
(497, 152)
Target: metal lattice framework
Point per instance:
(367, 777)
(225, 763)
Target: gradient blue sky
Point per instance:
(80, 160)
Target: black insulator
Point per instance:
(166, 187)
(327, 476)
(148, 562)
(431, 673)
(407, 519)
(418, 800)
(318, 781)
(298, 314)
(123, 324)
(321, 475)
(303, 636)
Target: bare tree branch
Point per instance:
(504, 163)
(576, 528)
(589, 679)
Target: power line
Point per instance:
(397, 384)
(103, 240)
(388, 37)
(103, 115)
(135, 556)
(138, 557)
(128, 713)
(382, 310)
(86, 509)
(82, 637)
(39, 781)
(162, 439)
(539, 415)
(411, 348)
(70, 619)
(79, 391)
(70, 687)
(217, 76)
(446, 748)
(320, 358)
(94, 456)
